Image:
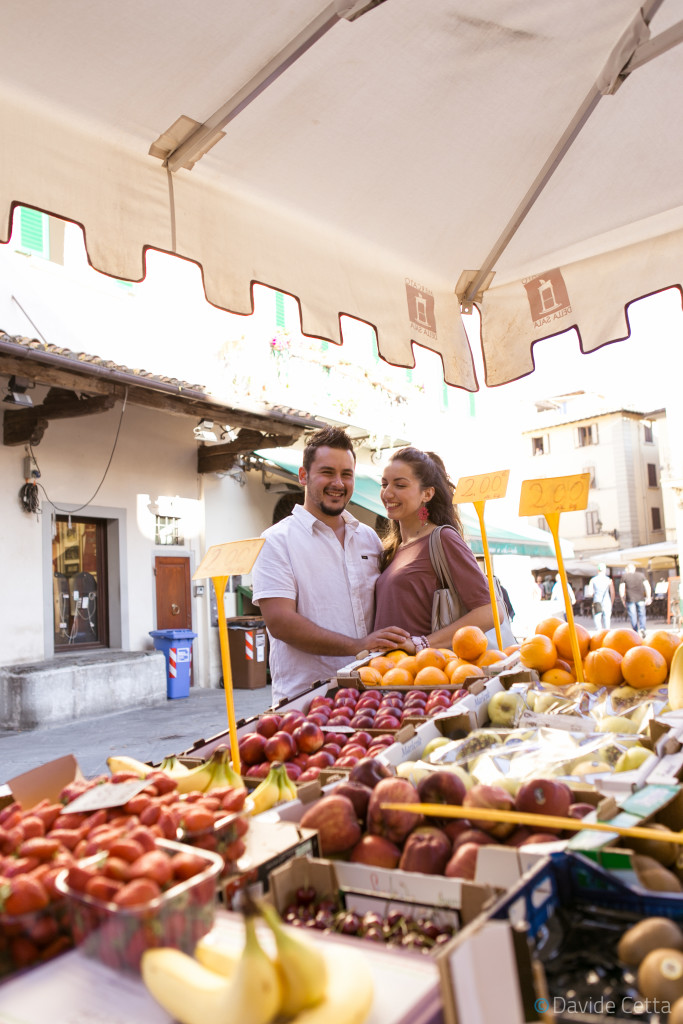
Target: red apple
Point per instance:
(494, 798)
(320, 702)
(308, 737)
(382, 741)
(343, 711)
(258, 771)
(345, 702)
(441, 787)
(309, 774)
(268, 725)
(393, 825)
(519, 836)
(544, 796)
(358, 794)
(440, 702)
(301, 760)
(387, 722)
(369, 771)
(376, 850)
(391, 702)
(580, 810)
(334, 819)
(463, 863)
(346, 691)
(455, 827)
(427, 850)
(293, 770)
(332, 748)
(252, 748)
(540, 837)
(318, 719)
(280, 747)
(355, 749)
(471, 835)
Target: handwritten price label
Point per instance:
(556, 494)
(482, 487)
(232, 559)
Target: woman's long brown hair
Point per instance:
(431, 472)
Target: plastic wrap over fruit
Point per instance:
(615, 709)
(509, 757)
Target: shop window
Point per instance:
(540, 445)
(587, 435)
(648, 434)
(651, 474)
(79, 588)
(593, 523)
(656, 519)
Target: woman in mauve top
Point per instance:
(418, 496)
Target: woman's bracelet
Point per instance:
(420, 643)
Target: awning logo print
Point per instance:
(548, 297)
(421, 308)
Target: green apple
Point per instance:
(594, 767)
(632, 759)
(465, 776)
(616, 723)
(434, 744)
(504, 708)
(545, 701)
(412, 770)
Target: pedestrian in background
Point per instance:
(636, 592)
(601, 589)
(557, 594)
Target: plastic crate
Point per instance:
(118, 936)
(576, 912)
(30, 939)
(224, 837)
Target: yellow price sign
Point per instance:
(482, 487)
(231, 559)
(554, 494)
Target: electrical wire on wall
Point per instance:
(29, 492)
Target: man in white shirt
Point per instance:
(314, 579)
(601, 589)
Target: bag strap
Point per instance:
(439, 562)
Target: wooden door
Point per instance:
(174, 608)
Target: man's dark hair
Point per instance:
(328, 437)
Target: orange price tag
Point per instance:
(231, 559)
(482, 487)
(554, 494)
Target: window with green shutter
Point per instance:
(34, 232)
(280, 310)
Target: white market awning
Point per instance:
(523, 155)
(663, 555)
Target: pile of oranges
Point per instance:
(609, 657)
(434, 666)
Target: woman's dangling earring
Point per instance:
(423, 514)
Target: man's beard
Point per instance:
(331, 511)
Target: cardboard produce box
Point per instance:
(269, 842)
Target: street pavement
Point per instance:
(149, 733)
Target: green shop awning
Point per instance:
(522, 540)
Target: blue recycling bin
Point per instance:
(176, 645)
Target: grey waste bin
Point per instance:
(248, 643)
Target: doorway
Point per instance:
(174, 608)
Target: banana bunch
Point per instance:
(276, 788)
(301, 982)
(216, 771)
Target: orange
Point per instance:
(597, 639)
(447, 653)
(546, 627)
(557, 677)
(395, 656)
(563, 644)
(490, 657)
(430, 656)
(538, 652)
(644, 667)
(408, 663)
(664, 642)
(622, 639)
(469, 642)
(603, 667)
(430, 675)
(369, 676)
(463, 672)
(397, 677)
(381, 663)
(511, 649)
(450, 666)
